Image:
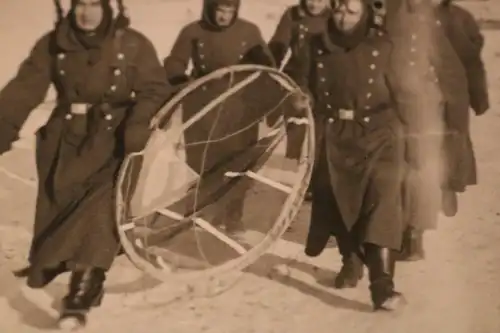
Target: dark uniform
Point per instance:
(210, 47)
(359, 133)
(465, 36)
(95, 123)
(439, 152)
(295, 24)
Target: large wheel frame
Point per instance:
(289, 209)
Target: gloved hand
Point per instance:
(301, 100)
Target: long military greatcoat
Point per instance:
(224, 131)
(78, 151)
(359, 141)
(209, 49)
(439, 149)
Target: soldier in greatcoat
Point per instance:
(438, 138)
(307, 17)
(465, 37)
(357, 182)
(109, 83)
(219, 39)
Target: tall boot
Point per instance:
(85, 292)
(381, 267)
(412, 248)
(350, 273)
(449, 203)
(352, 267)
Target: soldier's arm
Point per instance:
(259, 53)
(476, 73)
(26, 90)
(282, 38)
(453, 82)
(177, 62)
(152, 90)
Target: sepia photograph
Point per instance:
(249, 166)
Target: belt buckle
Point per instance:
(346, 114)
(79, 108)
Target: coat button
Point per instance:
(327, 93)
(61, 56)
(202, 56)
(113, 88)
(412, 63)
(108, 117)
(375, 53)
(330, 120)
(414, 37)
(413, 50)
(370, 81)
(366, 119)
(120, 56)
(322, 79)
(369, 95)
(68, 116)
(320, 65)
(62, 72)
(117, 72)
(320, 52)
(438, 23)
(328, 106)
(372, 66)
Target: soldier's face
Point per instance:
(347, 14)
(224, 15)
(88, 14)
(316, 7)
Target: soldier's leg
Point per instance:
(233, 217)
(325, 211)
(85, 292)
(422, 206)
(380, 229)
(449, 203)
(352, 266)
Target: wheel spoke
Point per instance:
(262, 179)
(205, 225)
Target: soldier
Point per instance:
(357, 183)
(440, 160)
(96, 64)
(465, 37)
(308, 17)
(219, 39)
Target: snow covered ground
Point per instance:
(454, 290)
